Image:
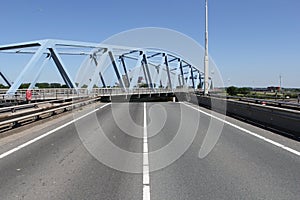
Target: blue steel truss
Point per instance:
(132, 67)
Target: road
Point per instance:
(114, 153)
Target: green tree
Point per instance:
(232, 91)
(3, 86)
(55, 85)
(244, 90)
(42, 85)
(24, 85)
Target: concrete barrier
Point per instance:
(280, 120)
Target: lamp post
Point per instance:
(206, 59)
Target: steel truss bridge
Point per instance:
(106, 66)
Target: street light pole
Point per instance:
(206, 59)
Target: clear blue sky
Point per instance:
(251, 41)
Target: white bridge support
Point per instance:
(105, 66)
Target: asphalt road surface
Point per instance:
(147, 151)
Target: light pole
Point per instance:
(206, 59)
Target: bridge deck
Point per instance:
(62, 164)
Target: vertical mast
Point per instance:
(206, 62)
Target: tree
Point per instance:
(244, 90)
(24, 85)
(232, 91)
(55, 85)
(3, 86)
(42, 85)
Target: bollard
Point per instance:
(28, 95)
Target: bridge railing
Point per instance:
(43, 94)
(57, 93)
(119, 91)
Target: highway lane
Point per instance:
(59, 166)
(239, 167)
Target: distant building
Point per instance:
(273, 89)
(260, 89)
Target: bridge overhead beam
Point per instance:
(154, 55)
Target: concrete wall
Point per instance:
(280, 120)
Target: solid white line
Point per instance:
(247, 131)
(146, 176)
(3, 155)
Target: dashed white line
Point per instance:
(3, 155)
(146, 177)
(247, 131)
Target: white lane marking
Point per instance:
(146, 177)
(3, 155)
(247, 131)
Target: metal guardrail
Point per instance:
(32, 116)
(261, 101)
(94, 95)
(34, 105)
(55, 93)
(42, 94)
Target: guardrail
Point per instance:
(17, 120)
(277, 103)
(15, 108)
(55, 93)
(42, 94)
(14, 119)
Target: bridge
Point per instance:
(136, 124)
(125, 67)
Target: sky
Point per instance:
(251, 42)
